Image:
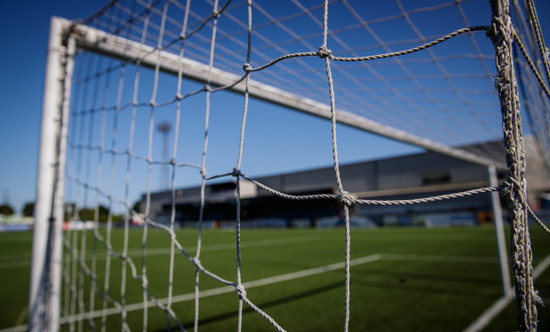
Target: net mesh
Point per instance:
(420, 67)
(439, 94)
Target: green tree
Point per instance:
(137, 205)
(28, 209)
(89, 214)
(6, 209)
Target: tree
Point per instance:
(6, 209)
(137, 205)
(28, 209)
(89, 213)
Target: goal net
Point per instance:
(185, 93)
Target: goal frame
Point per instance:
(46, 260)
(65, 37)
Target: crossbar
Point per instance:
(98, 41)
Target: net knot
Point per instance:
(512, 187)
(346, 198)
(197, 263)
(247, 67)
(324, 52)
(241, 291)
(236, 172)
(500, 29)
(506, 187)
(144, 282)
(207, 88)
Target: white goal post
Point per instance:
(68, 39)
(48, 214)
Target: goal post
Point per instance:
(44, 290)
(507, 290)
(68, 38)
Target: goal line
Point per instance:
(492, 312)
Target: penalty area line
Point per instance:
(226, 289)
(488, 315)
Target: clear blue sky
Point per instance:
(24, 33)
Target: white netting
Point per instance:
(431, 74)
(421, 93)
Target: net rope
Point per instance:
(78, 269)
(502, 36)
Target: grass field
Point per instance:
(403, 279)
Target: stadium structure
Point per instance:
(426, 174)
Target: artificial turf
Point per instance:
(420, 279)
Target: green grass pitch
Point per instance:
(403, 279)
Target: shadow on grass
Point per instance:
(470, 279)
(263, 305)
(416, 281)
(405, 286)
(400, 281)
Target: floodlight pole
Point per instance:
(45, 283)
(499, 232)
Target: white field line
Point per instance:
(297, 275)
(189, 249)
(285, 277)
(229, 289)
(488, 315)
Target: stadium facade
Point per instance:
(403, 177)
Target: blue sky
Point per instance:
(24, 32)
